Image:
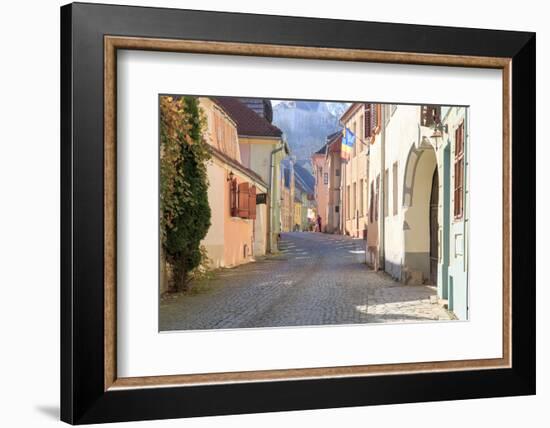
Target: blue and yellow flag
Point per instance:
(348, 140)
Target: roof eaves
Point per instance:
(237, 165)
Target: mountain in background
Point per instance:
(306, 124)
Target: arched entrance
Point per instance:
(421, 213)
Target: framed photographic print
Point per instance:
(266, 213)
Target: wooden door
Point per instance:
(434, 228)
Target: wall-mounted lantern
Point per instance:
(439, 129)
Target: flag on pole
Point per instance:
(348, 140)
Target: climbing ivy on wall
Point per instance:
(184, 209)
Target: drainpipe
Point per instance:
(271, 192)
(382, 219)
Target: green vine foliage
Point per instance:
(185, 212)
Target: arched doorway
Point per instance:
(434, 228)
(421, 214)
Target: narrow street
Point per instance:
(316, 279)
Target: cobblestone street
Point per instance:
(316, 279)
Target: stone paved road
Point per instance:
(317, 279)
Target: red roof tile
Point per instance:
(335, 143)
(248, 122)
(322, 150)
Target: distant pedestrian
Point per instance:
(319, 224)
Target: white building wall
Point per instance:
(400, 239)
(401, 135)
(260, 228)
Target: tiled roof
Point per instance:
(335, 143)
(334, 134)
(248, 122)
(304, 179)
(286, 177)
(322, 150)
(260, 106)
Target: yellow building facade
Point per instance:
(355, 174)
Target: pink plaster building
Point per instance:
(321, 174)
(238, 222)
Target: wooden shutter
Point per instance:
(430, 115)
(368, 114)
(252, 203)
(243, 200)
(459, 172)
(425, 115)
(233, 197)
(373, 118)
(436, 114)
